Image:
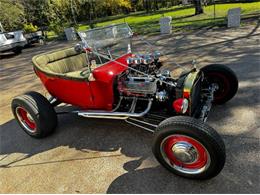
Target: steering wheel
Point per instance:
(83, 73)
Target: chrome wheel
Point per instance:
(185, 154)
(25, 119)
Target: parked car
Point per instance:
(12, 41)
(35, 37)
(104, 78)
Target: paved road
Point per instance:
(95, 156)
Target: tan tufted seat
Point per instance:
(65, 63)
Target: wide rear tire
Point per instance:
(34, 114)
(224, 78)
(189, 148)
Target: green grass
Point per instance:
(144, 23)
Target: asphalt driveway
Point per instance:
(109, 156)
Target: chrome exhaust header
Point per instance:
(114, 115)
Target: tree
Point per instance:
(156, 6)
(36, 11)
(59, 15)
(198, 7)
(112, 7)
(11, 14)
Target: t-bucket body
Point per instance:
(96, 93)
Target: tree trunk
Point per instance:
(146, 5)
(198, 7)
(156, 7)
(172, 3)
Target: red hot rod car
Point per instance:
(105, 79)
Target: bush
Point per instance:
(56, 28)
(29, 28)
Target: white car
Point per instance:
(12, 41)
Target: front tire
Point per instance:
(189, 148)
(225, 79)
(34, 114)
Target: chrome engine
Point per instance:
(136, 86)
(146, 63)
(135, 81)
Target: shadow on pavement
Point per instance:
(238, 176)
(79, 133)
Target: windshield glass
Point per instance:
(114, 40)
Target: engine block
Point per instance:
(132, 82)
(137, 86)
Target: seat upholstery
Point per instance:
(66, 63)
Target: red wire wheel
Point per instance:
(26, 119)
(185, 154)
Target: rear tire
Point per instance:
(226, 80)
(189, 148)
(34, 114)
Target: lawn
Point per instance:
(183, 16)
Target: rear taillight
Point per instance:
(181, 105)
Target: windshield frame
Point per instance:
(94, 42)
(107, 49)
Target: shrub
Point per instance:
(29, 28)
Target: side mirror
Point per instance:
(78, 48)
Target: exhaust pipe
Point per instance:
(114, 115)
